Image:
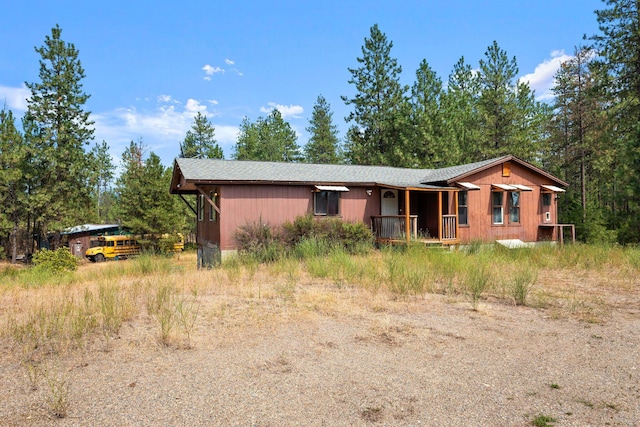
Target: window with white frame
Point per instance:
(514, 206)
(497, 207)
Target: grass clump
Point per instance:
(543, 421)
(476, 280)
(522, 281)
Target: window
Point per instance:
(463, 210)
(326, 203)
(200, 207)
(546, 199)
(213, 215)
(498, 213)
(514, 207)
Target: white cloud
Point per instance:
(161, 128)
(167, 99)
(287, 111)
(210, 71)
(229, 62)
(15, 98)
(212, 102)
(542, 78)
(194, 106)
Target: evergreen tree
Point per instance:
(144, 204)
(430, 147)
(497, 101)
(57, 128)
(461, 112)
(380, 105)
(323, 143)
(268, 139)
(12, 181)
(101, 177)
(576, 141)
(512, 121)
(618, 45)
(200, 141)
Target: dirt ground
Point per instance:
(317, 354)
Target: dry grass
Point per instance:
(139, 309)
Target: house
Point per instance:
(79, 238)
(496, 199)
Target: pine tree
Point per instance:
(461, 112)
(101, 177)
(143, 203)
(618, 45)
(430, 147)
(323, 144)
(512, 121)
(200, 141)
(380, 106)
(12, 181)
(268, 139)
(57, 129)
(497, 101)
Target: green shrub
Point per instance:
(55, 261)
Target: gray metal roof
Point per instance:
(88, 227)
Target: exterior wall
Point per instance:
(276, 204)
(481, 225)
(79, 243)
(207, 230)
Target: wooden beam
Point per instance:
(208, 199)
(188, 204)
(407, 216)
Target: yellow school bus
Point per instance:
(112, 247)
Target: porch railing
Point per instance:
(449, 227)
(392, 227)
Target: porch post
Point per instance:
(439, 215)
(455, 206)
(407, 216)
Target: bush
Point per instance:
(259, 241)
(353, 237)
(55, 261)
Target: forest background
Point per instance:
(54, 175)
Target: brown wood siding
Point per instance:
(276, 204)
(208, 231)
(481, 225)
(271, 204)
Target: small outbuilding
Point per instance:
(79, 238)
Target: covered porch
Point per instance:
(427, 215)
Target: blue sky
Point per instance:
(151, 65)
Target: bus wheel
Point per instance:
(99, 258)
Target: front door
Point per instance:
(388, 202)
